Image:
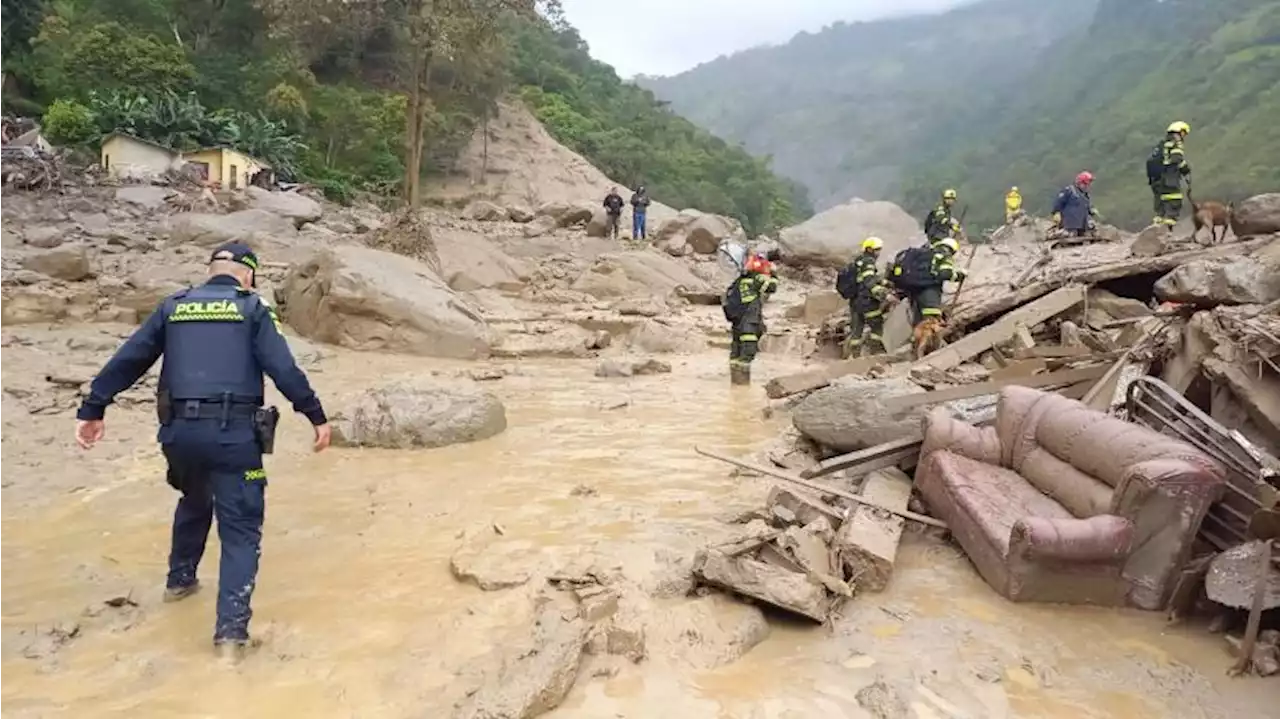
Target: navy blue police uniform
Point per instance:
(217, 339)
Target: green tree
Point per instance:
(67, 122)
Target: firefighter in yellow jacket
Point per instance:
(1012, 205)
(744, 309)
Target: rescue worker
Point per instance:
(748, 293)
(1012, 205)
(1166, 174)
(866, 307)
(217, 340)
(941, 222)
(1073, 209)
(926, 302)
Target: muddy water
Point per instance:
(360, 617)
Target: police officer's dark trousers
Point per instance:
(219, 471)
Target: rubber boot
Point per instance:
(739, 373)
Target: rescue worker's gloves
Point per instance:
(1057, 219)
(239, 253)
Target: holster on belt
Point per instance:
(265, 420)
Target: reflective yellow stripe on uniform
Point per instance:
(211, 311)
(872, 314)
(251, 475)
(931, 312)
(748, 338)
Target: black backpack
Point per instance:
(912, 269)
(734, 308)
(1155, 164)
(847, 282)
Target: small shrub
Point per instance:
(67, 122)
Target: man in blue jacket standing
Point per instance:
(639, 208)
(1073, 208)
(217, 340)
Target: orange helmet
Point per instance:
(758, 264)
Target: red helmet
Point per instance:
(1084, 178)
(757, 263)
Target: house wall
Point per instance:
(223, 163)
(130, 159)
(212, 158)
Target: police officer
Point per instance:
(217, 340)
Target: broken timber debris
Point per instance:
(785, 386)
(867, 542)
(1063, 377)
(834, 491)
(763, 581)
(881, 456)
(1029, 315)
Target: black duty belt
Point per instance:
(212, 409)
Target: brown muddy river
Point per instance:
(360, 616)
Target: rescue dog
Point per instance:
(927, 336)
(1212, 215)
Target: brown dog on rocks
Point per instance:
(1212, 215)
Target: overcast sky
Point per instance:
(664, 37)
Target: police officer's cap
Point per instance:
(236, 252)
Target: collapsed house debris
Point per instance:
(1173, 350)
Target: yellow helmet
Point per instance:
(950, 242)
(948, 194)
(1180, 127)
(873, 243)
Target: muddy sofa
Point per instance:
(1059, 503)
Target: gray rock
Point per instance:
(833, 237)
(566, 214)
(773, 585)
(145, 196)
(1240, 281)
(298, 209)
(413, 413)
(540, 226)
(367, 299)
(1155, 240)
(25, 277)
(519, 213)
(535, 675)
(1258, 215)
(68, 262)
(485, 211)
(250, 226)
(44, 236)
(852, 416)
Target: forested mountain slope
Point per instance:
(1102, 98)
(321, 90)
(844, 109)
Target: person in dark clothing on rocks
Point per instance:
(613, 212)
(927, 300)
(744, 308)
(941, 222)
(639, 208)
(867, 292)
(217, 340)
(1073, 209)
(1167, 169)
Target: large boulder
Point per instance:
(852, 415)
(255, 227)
(471, 262)
(1258, 215)
(68, 262)
(699, 231)
(1240, 281)
(540, 226)
(414, 413)
(833, 237)
(485, 211)
(567, 214)
(637, 273)
(519, 213)
(368, 299)
(598, 225)
(298, 209)
(44, 236)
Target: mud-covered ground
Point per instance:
(360, 615)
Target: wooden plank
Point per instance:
(1029, 315)
(899, 449)
(1052, 352)
(1100, 395)
(802, 506)
(867, 543)
(1022, 338)
(835, 491)
(1020, 368)
(973, 313)
(787, 385)
(1064, 377)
